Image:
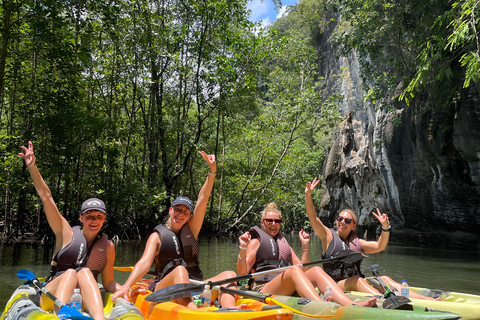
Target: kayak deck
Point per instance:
(22, 306)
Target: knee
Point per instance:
(70, 274)
(181, 272)
(293, 271)
(228, 274)
(84, 273)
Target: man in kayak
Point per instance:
(265, 248)
(348, 275)
(81, 253)
(174, 247)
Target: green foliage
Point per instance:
(119, 96)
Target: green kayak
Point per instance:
(466, 305)
(330, 310)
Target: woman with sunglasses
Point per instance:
(265, 248)
(81, 253)
(348, 275)
(174, 249)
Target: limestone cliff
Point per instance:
(423, 169)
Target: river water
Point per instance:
(423, 267)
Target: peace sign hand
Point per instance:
(311, 186)
(210, 159)
(382, 218)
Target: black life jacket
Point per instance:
(340, 270)
(175, 251)
(271, 253)
(73, 256)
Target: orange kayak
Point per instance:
(174, 311)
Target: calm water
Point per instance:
(442, 269)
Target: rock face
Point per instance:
(423, 169)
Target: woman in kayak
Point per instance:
(81, 253)
(174, 247)
(348, 275)
(265, 248)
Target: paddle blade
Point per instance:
(67, 312)
(176, 291)
(25, 275)
(397, 302)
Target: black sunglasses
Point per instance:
(347, 220)
(270, 221)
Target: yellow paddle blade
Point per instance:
(123, 268)
(273, 301)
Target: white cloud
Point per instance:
(259, 8)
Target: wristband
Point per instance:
(387, 230)
(242, 247)
(210, 173)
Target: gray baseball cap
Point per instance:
(93, 204)
(183, 200)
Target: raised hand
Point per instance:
(382, 218)
(311, 186)
(210, 159)
(244, 239)
(28, 155)
(304, 237)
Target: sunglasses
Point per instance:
(347, 220)
(270, 221)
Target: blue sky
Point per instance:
(265, 10)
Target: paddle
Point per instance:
(184, 290)
(267, 298)
(65, 312)
(391, 300)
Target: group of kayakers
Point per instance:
(82, 253)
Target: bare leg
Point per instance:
(178, 275)
(357, 283)
(61, 287)
(321, 280)
(227, 300)
(91, 295)
(398, 286)
(291, 280)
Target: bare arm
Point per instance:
(320, 229)
(381, 243)
(141, 267)
(63, 231)
(246, 258)
(107, 273)
(305, 240)
(196, 221)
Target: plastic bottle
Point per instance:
(76, 300)
(405, 291)
(206, 296)
(328, 293)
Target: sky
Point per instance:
(265, 12)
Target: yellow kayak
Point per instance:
(22, 306)
(463, 304)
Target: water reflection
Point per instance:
(448, 270)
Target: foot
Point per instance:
(368, 303)
(330, 299)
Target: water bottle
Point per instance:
(328, 293)
(206, 296)
(404, 291)
(76, 301)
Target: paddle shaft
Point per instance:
(268, 298)
(277, 270)
(57, 301)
